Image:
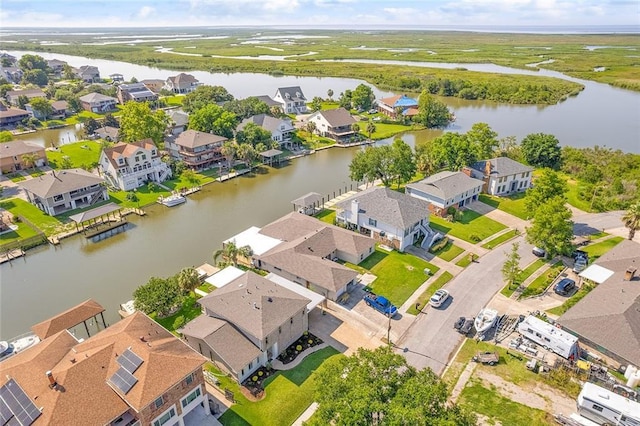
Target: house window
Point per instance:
(57, 198)
(373, 222)
(159, 402)
(266, 340)
(144, 156)
(193, 395)
(370, 249)
(597, 408)
(189, 379)
(279, 330)
(137, 158)
(165, 417)
(250, 364)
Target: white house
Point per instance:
(291, 99)
(446, 189)
(336, 124)
(281, 128)
(131, 165)
(392, 218)
(502, 175)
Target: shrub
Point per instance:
(178, 322)
(299, 348)
(451, 210)
(439, 245)
(254, 379)
(311, 341)
(475, 238)
(260, 373)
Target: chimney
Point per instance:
(52, 382)
(466, 171)
(630, 273)
(355, 209)
(73, 360)
(487, 167)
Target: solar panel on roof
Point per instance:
(130, 361)
(15, 406)
(123, 380)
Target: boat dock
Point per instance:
(112, 228)
(11, 254)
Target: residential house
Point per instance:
(608, 317)
(116, 78)
(128, 166)
(178, 121)
(502, 175)
(11, 74)
(153, 84)
(446, 189)
(10, 117)
(291, 100)
(399, 104)
(137, 92)
(247, 323)
(108, 133)
(281, 129)
(303, 249)
(13, 95)
(97, 102)
(269, 101)
(336, 124)
(56, 65)
(198, 150)
(132, 373)
(59, 110)
(392, 218)
(88, 73)
(11, 156)
(60, 191)
(181, 83)
(5, 56)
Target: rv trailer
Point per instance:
(550, 337)
(607, 408)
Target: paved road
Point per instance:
(431, 340)
(591, 223)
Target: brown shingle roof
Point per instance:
(18, 148)
(337, 117)
(67, 319)
(123, 149)
(12, 112)
(194, 138)
(60, 182)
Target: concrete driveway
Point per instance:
(431, 340)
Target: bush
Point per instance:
(178, 322)
(475, 238)
(439, 245)
(254, 379)
(260, 373)
(451, 210)
(299, 348)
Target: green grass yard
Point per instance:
(540, 284)
(449, 252)
(82, 154)
(526, 273)
(473, 227)
(573, 197)
(189, 310)
(327, 216)
(287, 394)
(424, 297)
(598, 249)
(491, 244)
(398, 274)
(45, 223)
(513, 205)
(465, 261)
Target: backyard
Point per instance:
(287, 394)
(598, 249)
(472, 227)
(188, 311)
(327, 216)
(82, 154)
(42, 221)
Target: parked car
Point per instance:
(564, 286)
(540, 252)
(438, 298)
(463, 325)
(580, 265)
(380, 304)
(373, 111)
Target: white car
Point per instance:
(438, 298)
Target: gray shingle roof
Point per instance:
(336, 117)
(60, 182)
(267, 122)
(18, 148)
(502, 166)
(294, 93)
(179, 117)
(610, 314)
(388, 206)
(96, 97)
(194, 138)
(254, 304)
(446, 185)
(268, 100)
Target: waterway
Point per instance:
(49, 280)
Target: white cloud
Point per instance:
(145, 11)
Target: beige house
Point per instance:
(13, 95)
(97, 102)
(247, 323)
(128, 166)
(64, 190)
(132, 373)
(181, 83)
(12, 156)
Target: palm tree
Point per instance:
(230, 251)
(330, 94)
(29, 160)
(310, 127)
(188, 279)
(370, 128)
(631, 219)
(247, 153)
(229, 150)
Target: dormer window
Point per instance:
(120, 160)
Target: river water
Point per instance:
(49, 280)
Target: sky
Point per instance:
(316, 13)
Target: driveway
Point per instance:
(431, 340)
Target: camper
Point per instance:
(550, 337)
(605, 407)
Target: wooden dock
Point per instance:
(11, 254)
(107, 231)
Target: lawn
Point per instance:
(472, 227)
(573, 196)
(145, 197)
(287, 395)
(534, 266)
(175, 100)
(327, 215)
(540, 284)
(181, 182)
(598, 249)
(465, 260)
(44, 222)
(424, 297)
(449, 252)
(384, 130)
(189, 310)
(82, 154)
(513, 205)
(399, 274)
(491, 244)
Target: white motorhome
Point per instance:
(550, 337)
(607, 408)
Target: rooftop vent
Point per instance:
(142, 339)
(630, 273)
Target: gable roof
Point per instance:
(179, 117)
(67, 319)
(501, 166)
(254, 304)
(182, 80)
(82, 371)
(267, 122)
(268, 100)
(107, 132)
(29, 93)
(94, 97)
(59, 105)
(335, 117)
(402, 101)
(446, 185)
(60, 182)
(194, 138)
(609, 315)
(12, 112)
(136, 90)
(18, 148)
(391, 207)
(124, 149)
(293, 93)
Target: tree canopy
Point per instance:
(542, 150)
(362, 97)
(387, 162)
(205, 95)
(432, 112)
(230, 252)
(32, 62)
(453, 151)
(552, 228)
(159, 295)
(631, 219)
(213, 119)
(245, 108)
(484, 140)
(547, 186)
(138, 122)
(254, 135)
(379, 387)
(42, 107)
(37, 77)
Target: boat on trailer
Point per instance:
(485, 319)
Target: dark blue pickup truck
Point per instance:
(380, 304)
